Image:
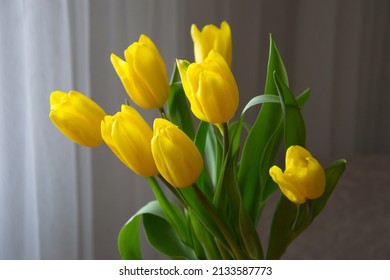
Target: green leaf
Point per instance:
(206, 239)
(260, 99)
(204, 181)
(128, 239)
(161, 235)
(332, 174)
(213, 154)
(289, 221)
(264, 128)
(294, 125)
(178, 111)
(303, 98)
(199, 210)
(281, 228)
(174, 215)
(243, 226)
(235, 129)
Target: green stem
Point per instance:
(222, 227)
(162, 112)
(226, 144)
(174, 192)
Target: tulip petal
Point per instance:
(223, 44)
(134, 147)
(148, 67)
(217, 105)
(106, 128)
(122, 70)
(287, 185)
(76, 128)
(176, 156)
(316, 180)
(77, 117)
(296, 155)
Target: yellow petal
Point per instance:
(217, 104)
(77, 117)
(224, 42)
(297, 155)
(287, 185)
(176, 156)
(146, 66)
(134, 147)
(316, 180)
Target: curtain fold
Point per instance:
(40, 184)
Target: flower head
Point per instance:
(212, 38)
(128, 136)
(77, 117)
(177, 158)
(143, 74)
(210, 87)
(304, 177)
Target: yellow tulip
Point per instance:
(211, 37)
(77, 117)
(177, 158)
(143, 74)
(304, 177)
(210, 87)
(128, 135)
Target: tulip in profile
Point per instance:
(210, 87)
(143, 74)
(128, 136)
(177, 158)
(77, 117)
(212, 38)
(304, 177)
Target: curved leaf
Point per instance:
(294, 125)
(128, 239)
(254, 148)
(260, 99)
(178, 110)
(164, 238)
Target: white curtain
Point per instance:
(45, 200)
(61, 201)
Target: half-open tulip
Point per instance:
(143, 74)
(303, 178)
(77, 117)
(211, 37)
(128, 136)
(210, 87)
(177, 158)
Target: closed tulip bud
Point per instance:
(128, 135)
(77, 117)
(143, 74)
(304, 177)
(211, 37)
(210, 88)
(177, 158)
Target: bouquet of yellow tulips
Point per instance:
(221, 172)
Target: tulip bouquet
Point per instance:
(220, 172)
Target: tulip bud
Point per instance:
(210, 87)
(128, 135)
(212, 37)
(77, 117)
(143, 74)
(177, 158)
(304, 177)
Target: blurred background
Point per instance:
(62, 201)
